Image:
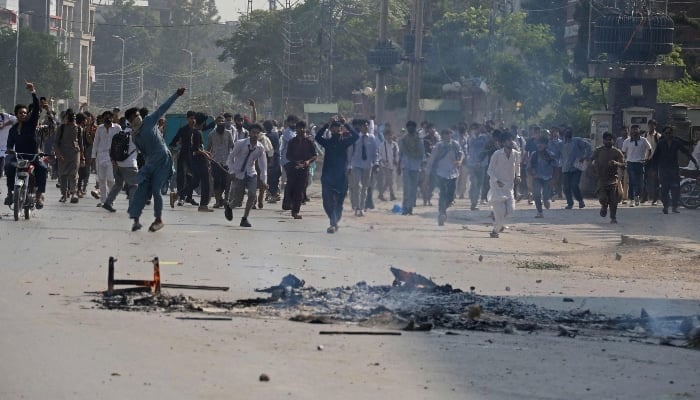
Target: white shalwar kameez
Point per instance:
(504, 169)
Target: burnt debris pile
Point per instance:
(414, 302)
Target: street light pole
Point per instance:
(189, 89)
(121, 89)
(14, 100)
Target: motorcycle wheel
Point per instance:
(19, 195)
(689, 199)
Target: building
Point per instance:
(76, 36)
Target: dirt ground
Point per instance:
(56, 343)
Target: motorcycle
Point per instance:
(25, 186)
(690, 188)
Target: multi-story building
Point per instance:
(76, 37)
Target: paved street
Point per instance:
(56, 343)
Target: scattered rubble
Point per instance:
(416, 303)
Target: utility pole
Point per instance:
(189, 89)
(14, 100)
(381, 72)
(121, 88)
(416, 69)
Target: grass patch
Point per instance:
(542, 265)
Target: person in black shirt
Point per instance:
(665, 161)
(22, 139)
(184, 162)
(200, 164)
(274, 169)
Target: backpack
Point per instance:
(119, 148)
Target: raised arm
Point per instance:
(150, 121)
(319, 135)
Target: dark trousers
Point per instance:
(651, 187)
(84, 177)
(182, 177)
(571, 180)
(200, 170)
(274, 173)
(608, 196)
(410, 189)
(635, 171)
(295, 188)
(670, 182)
(476, 180)
(40, 173)
(541, 192)
(485, 186)
(333, 203)
(447, 193)
(219, 177)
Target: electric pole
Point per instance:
(416, 67)
(381, 72)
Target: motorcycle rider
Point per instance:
(22, 139)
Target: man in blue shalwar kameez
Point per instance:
(158, 168)
(334, 178)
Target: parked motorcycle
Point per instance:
(690, 188)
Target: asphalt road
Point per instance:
(55, 343)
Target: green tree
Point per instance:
(517, 59)
(38, 63)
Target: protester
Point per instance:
(69, 152)
(363, 160)
(158, 166)
(637, 151)
(101, 158)
(243, 174)
(334, 179)
(541, 170)
(300, 153)
(443, 166)
(504, 173)
(220, 144)
(606, 160)
(411, 155)
(575, 152)
(125, 171)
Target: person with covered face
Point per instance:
(334, 179)
(606, 161)
(153, 177)
(220, 144)
(243, 174)
(411, 155)
(504, 173)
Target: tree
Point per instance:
(38, 63)
(516, 59)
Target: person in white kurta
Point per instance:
(504, 173)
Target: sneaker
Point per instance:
(653, 203)
(191, 201)
(631, 204)
(62, 199)
(330, 229)
(244, 223)
(74, 200)
(108, 208)
(228, 212)
(39, 204)
(494, 235)
(136, 226)
(173, 198)
(180, 203)
(636, 202)
(539, 215)
(204, 209)
(581, 204)
(95, 194)
(297, 216)
(156, 226)
(603, 212)
(99, 205)
(441, 219)
(547, 204)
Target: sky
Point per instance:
(231, 9)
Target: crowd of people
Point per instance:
(236, 155)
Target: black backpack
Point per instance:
(119, 149)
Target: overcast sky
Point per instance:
(231, 9)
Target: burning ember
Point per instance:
(416, 303)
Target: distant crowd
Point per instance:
(234, 157)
